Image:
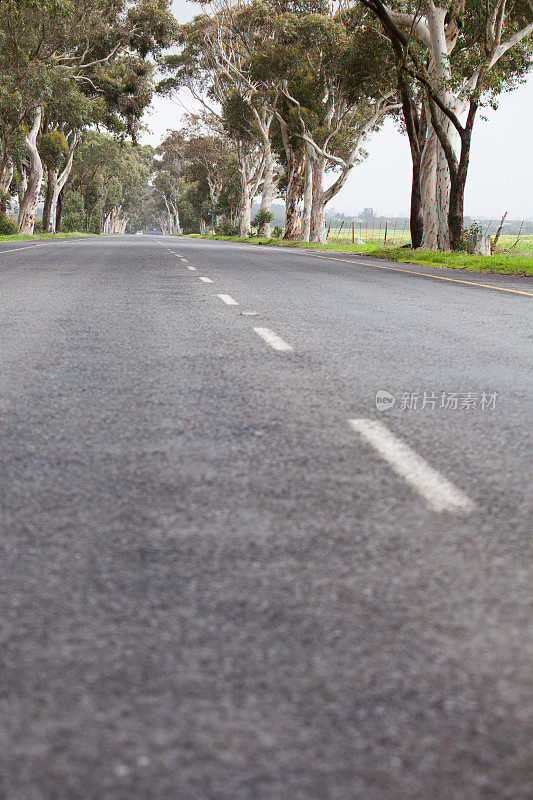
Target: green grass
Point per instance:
(512, 262)
(23, 237)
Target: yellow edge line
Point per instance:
(425, 275)
(44, 244)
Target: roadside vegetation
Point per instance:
(286, 95)
(23, 237)
(515, 263)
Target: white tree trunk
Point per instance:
(251, 164)
(58, 182)
(6, 176)
(245, 210)
(30, 200)
(269, 190)
(318, 216)
(308, 199)
(428, 191)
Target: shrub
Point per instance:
(277, 233)
(227, 229)
(72, 222)
(8, 226)
(262, 218)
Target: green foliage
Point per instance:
(73, 213)
(277, 232)
(53, 149)
(8, 226)
(262, 218)
(227, 229)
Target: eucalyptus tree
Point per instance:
(341, 90)
(211, 159)
(209, 67)
(111, 177)
(168, 181)
(462, 54)
(101, 46)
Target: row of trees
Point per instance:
(287, 92)
(190, 181)
(295, 87)
(67, 67)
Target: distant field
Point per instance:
(509, 244)
(398, 236)
(367, 233)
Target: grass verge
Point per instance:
(23, 237)
(503, 263)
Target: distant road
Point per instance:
(228, 571)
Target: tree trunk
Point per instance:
(269, 190)
(293, 207)
(442, 199)
(56, 182)
(6, 174)
(294, 193)
(416, 220)
(415, 124)
(30, 200)
(50, 208)
(428, 191)
(59, 209)
(318, 217)
(308, 200)
(245, 210)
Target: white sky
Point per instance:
(501, 164)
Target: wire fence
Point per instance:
(395, 233)
(388, 234)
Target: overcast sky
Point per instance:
(500, 176)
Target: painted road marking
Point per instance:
(192, 269)
(425, 275)
(272, 339)
(439, 493)
(206, 280)
(228, 299)
(46, 244)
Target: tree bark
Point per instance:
(308, 200)
(251, 167)
(6, 174)
(269, 189)
(59, 209)
(245, 210)
(30, 200)
(318, 217)
(56, 182)
(294, 193)
(49, 216)
(428, 191)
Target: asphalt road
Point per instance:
(225, 573)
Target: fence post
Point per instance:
(385, 239)
(353, 234)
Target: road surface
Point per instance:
(226, 574)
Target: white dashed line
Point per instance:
(228, 299)
(439, 493)
(192, 269)
(272, 339)
(206, 280)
